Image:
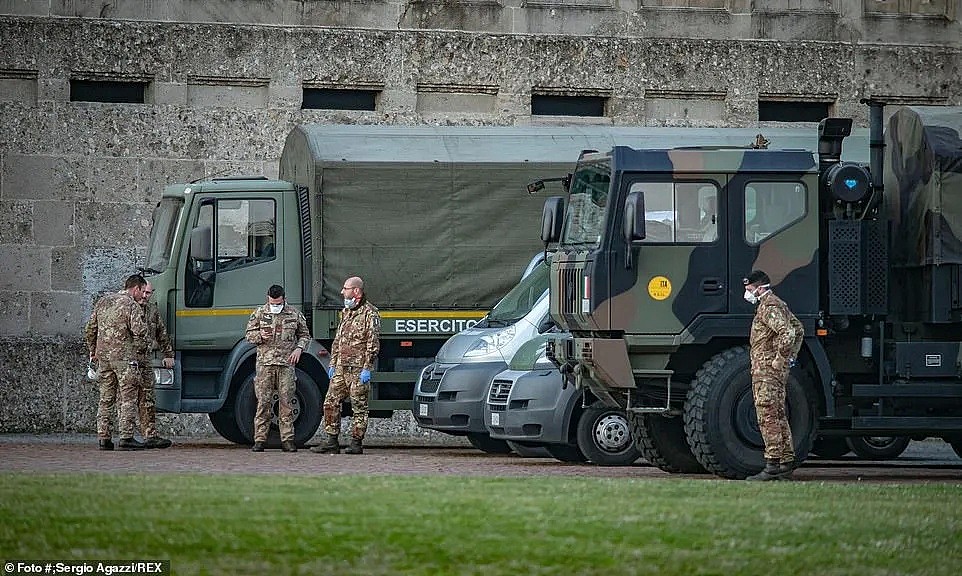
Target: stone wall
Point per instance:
(78, 179)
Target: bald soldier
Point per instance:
(775, 340)
(116, 338)
(353, 356)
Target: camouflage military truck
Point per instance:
(430, 217)
(647, 277)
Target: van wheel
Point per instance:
(487, 444)
(568, 453)
(661, 441)
(604, 436)
(224, 422)
(878, 447)
(720, 419)
(306, 407)
(830, 447)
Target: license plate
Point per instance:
(495, 419)
(422, 409)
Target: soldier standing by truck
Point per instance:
(116, 339)
(280, 334)
(776, 337)
(157, 340)
(353, 355)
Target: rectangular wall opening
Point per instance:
(556, 105)
(111, 91)
(339, 99)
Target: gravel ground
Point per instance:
(929, 461)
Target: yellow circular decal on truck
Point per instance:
(659, 288)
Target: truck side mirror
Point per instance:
(552, 217)
(634, 224)
(201, 248)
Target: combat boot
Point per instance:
(257, 447)
(288, 446)
(156, 442)
(328, 446)
(130, 444)
(106, 444)
(774, 470)
(355, 447)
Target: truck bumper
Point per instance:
(537, 409)
(450, 397)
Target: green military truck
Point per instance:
(432, 218)
(647, 277)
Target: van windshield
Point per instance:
(521, 299)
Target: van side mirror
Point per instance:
(552, 217)
(634, 224)
(201, 248)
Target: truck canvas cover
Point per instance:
(437, 217)
(923, 181)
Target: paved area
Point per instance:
(929, 461)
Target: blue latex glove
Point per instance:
(330, 372)
(365, 376)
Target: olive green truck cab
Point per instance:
(433, 219)
(653, 245)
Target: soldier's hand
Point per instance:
(365, 376)
(330, 373)
(168, 363)
(295, 356)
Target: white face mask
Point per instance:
(750, 298)
(349, 302)
(276, 308)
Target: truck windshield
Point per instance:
(587, 203)
(521, 299)
(166, 215)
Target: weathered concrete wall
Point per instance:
(78, 180)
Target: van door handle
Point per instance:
(712, 285)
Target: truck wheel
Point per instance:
(568, 453)
(830, 447)
(662, 442)
(878, 447)
(528, 451)
(307, 410)
(224, 422)
(487, 444)
(720, 419)
(604, 436)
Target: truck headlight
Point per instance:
(491, 343)
(163, 377)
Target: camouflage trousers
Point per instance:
(146, 405)
(346, 382)
(117, 376)
(769, 392)
(271, 380)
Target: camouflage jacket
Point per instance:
(156, 331)
(357, 340)
(289, 331)
(776, 333)
(116, 330)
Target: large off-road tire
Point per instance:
(720, 419)
(662, 442)
(306, 407)
(878, 447)
(604, 436)
(569, 453)
(485, 443)
(528, 451)
(830, 447)
(224, 422)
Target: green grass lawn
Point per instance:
(267, 525)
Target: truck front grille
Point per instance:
(569, 290)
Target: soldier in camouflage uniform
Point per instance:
(776, 338)
(158, 340)
(280, 333)
(116, 337)
(353, 354)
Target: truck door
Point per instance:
(219, 295)
(682, 263)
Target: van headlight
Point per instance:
(163, 377)
(491, 343)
